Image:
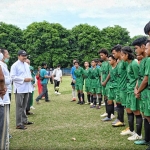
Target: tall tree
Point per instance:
(11, 38)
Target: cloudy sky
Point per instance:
(131, 14)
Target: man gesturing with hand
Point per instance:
(21, 77)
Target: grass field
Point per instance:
(57, 122)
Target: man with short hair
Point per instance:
(44, 81)
(21, 76)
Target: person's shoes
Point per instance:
(58, 93)
(112, 116)
(32, 107)
(141, 142)
(10, 136)
(81, 103)
(21, 127)
(73, 99)
(114, 122)
(47, 100)
(92, 106)
(106, 119)
(29, 113)
(104, 115)
(78, 102)
(118, 124)
(125, 129)
(103, 104)
(28, 123)
(55, 92)
(127, 132)
(98, 107)
(134, 137)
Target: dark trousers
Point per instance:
(44, 93)
(10, 100)
(29, 101)
(56, 84)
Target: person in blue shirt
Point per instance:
(44, 81)
(73, 77)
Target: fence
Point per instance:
(66, 71)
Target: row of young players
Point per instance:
(122, 79)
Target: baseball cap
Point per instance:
(22, 53)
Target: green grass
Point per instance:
(57, 122)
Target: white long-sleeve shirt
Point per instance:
(6, 99)
(20, 71)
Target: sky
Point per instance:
(130, 14)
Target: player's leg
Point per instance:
(73, 92)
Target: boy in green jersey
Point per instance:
(79, 71)
(112, 87)
(144, 90)
(104, 76)
(95, 82)
(121, 86)
(87, 81)
(132, 103)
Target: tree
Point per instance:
(46, 42)
(11, 38)
(84, 42)
(111, 36)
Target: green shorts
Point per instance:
(132, 102)
(87, 89)
(147, 105)
(144, 97)
(122, 96)
(105, 90)
(79, 87)
(95, 90)
(112, 93)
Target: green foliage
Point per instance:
(11, 38)
(52, 43)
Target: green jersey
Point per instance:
(132, 75)
(113, 77)
(87, 77)
(79, 75)
(142, 69)
(95, 77)
(105, 70)
(122, 75)
(147, 71)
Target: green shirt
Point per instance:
(95, 77)
(122, 75)
(79, 75)
(87, 77)
(105, 70)
(142, 69)
(113, 77)
(147, 71)
(132, 75)
(43, 73)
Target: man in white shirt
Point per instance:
(57, 77)
(21, 76)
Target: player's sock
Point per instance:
(82, 95)
(110, 110)
(147, 130)
(117, 111)
(79, 97)
(139, 121)
(131, 121)
(89, 98)
(113, 110)
(121, 113)
(100, 101)
(73, 93)
(94, 101)
(106, 105)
